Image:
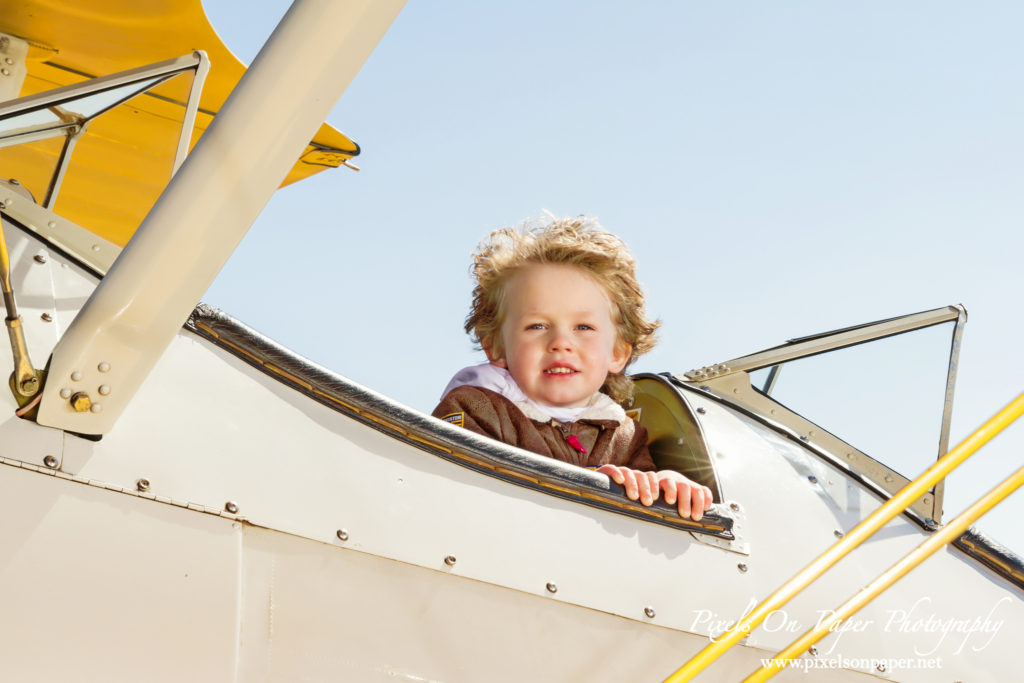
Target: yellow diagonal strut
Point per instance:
(893, 574)
(860, 533)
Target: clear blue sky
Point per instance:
(778, 169)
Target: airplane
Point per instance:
(185, 498)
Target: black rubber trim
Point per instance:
(434, 436)
(996, 557)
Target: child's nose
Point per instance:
(560, 341)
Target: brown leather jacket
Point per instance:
(491, 414)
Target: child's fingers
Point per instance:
(623, 476)
(647, 486)
(696, 503)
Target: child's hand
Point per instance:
(691, 498)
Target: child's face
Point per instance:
(558, 339)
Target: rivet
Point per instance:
(552, 588)
(881, 667)
(926, 500)
(449, 560)
(96, 408)
(95, 247)
(231, 506)
(701, 410)
(813, 650)
(8, 60)
(649, 612)
(46, 317)
(849, 456)
(735, 507)
(742, 567)
(772, 411)
(80, 402)
(104, 389)
(103, 367)
(342, 534)
(142, 484)
(76, 376)
(5, 72)
(39, 258)
(813, 479)
(65, 393)
(888, 478)
(50, 461)
(838, 533)
(52, 224)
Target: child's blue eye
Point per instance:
(584, 327)
(535, 326)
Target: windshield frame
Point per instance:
(730, 383)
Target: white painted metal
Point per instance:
(206, 428)
(212, 200)
(91, 250)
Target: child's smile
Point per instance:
(558, 339)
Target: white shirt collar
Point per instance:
(489, 376)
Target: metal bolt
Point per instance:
(342, 534)
(552, 588)
(449, 560)
(103, 367)
(813, 479)
(649, 612)
(813, 650)
(142, 484)
(735, 507)
(804, 438)
(742, 567)
(231, 506)
(46, 317)
(701, 410)
(81, 402)
(104, 389)
(50, 462)
(881, 667)
(39, 258)
(838, 533)
(29, 386)
(705, 387)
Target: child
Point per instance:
(560, 315)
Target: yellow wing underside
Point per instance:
(128, 152)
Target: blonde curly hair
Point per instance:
(577, 242)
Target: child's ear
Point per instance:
(493, 356)
(620, 356)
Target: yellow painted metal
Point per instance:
(890, 509)
(127, 153)
(896, 572)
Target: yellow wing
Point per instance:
(127, 152)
